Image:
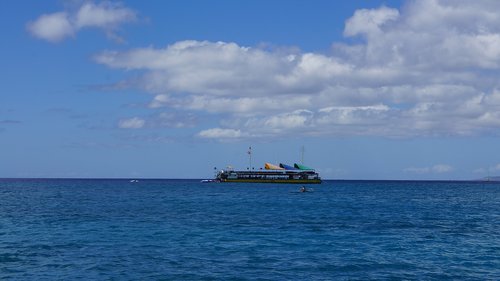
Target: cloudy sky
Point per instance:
(172, 89)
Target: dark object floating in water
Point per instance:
(303, 189)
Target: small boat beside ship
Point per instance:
(281, 173)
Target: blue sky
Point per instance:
(171, 89)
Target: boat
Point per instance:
(271, 174)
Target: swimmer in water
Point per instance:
(303, 189)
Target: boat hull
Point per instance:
(270, 176)
(312, 181)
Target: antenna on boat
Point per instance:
(250, 157)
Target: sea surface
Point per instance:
(186, 230)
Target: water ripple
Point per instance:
(184, 230)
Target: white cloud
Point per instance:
(369, 22)
(429, 69)
(57, 26)
(243, 105)
(132, 123)
(52, 27)
(104, 15)
(218, 133)
(296, 119)
(209, 68)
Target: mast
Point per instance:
(250, 158)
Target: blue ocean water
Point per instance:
(186, 230)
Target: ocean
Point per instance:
(60, 229)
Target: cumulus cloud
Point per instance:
(218, 133)
(57, 26)
(429, 69)
(369, 22)
(52, 27)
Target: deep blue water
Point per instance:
(185, 230)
